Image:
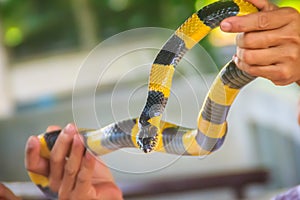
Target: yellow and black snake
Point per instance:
(149, 132)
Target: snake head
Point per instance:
(147, 138)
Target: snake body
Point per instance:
(149, 132)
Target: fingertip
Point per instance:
(32, 143)
(76, 140)
(53, 128)
(70, 129)
(32, 150)
(226, 26)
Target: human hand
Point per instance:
(80, 176)
(269, 46)
(7, 194)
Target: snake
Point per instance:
(149, 132)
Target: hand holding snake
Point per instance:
(268, 44)
(81, 176)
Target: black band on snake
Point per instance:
(149, 132)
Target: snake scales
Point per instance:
(149, 132)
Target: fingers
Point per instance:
(58, 155)
(33, 161)
(258, 56)
(259, 40)
(84, 177)
(76, 177)
(99, 186)
(279, 74)
(259, 21)
(81, 180)
(269, 46)
(254, 70)
(279, 64)
(53, 128)
(7, 194)
(71, 168)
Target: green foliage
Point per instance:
(34, 26)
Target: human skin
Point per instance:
(81, 176)
(7, 194)
(268, 43)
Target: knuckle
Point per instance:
(244, 67)
(70, 171)
(239, 39)
(81, 178)
(284, 75)
(241, 27)
(292, 12)
(292, 37)
(250, 70)
(54, 159)
(246, 40)
(247, 56)
(263, 20)
(292, 55)
(296, 39)
(268, 40)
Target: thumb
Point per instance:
(33, 161)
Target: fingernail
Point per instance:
(69, 129)
(226, 26)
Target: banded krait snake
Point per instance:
(149, 132)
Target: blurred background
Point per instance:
(43, 45)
